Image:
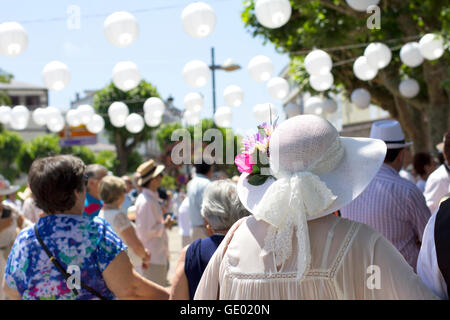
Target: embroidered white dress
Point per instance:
(343, 254)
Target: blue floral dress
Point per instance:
(90, 244)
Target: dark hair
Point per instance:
(53, 181)
(446, 148)
(420, 160)
(392, 154)
(202, 168)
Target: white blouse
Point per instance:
(349, 260)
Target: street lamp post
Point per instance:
(228, 66)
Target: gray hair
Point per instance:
(93, 170)
(221, 205)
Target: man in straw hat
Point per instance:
(150, 223)
(293, 247)
(390, 204)
(438, 182)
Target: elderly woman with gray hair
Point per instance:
(221, 208)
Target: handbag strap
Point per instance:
(61, 269)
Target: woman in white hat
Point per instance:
(293, 247)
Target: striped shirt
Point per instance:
(395, 208)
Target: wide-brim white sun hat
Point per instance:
(305, 137)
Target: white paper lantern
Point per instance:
(56, 75)
(39, 116)
(193, 102)
(318, 62)
(314, 105)
(363, 70)
(73, 118)
(152, 120)
(431, 46)
(273, 14)
(223, 117)
(198, 19)
(96, 125)
(134, 123)
(121, 29)
(321, 82)
(409, 88)
(13, 39)
(260, 68)
(5, 114)
(154, 106)
(378, 55)
(54, 119)
(361, 5)
(196, 73)
(118, 113)
(126, 75)
(278, 88)
(20, 115)
(233, 95)
(85, 113)
(292, 109)
(361, 98)
(410, 55)
(56, 123)
(191, 118)
(329, 106)
(265, 112)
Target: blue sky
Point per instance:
(161, 50)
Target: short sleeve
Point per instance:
(15, 269)
(121, 222)
(109, 244)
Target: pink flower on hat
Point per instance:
(244, 162)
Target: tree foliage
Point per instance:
(40, 147)
(124, 141)
(5, 77)
(82, 152)
(328, 24)
(10, 147)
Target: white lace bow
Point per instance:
(290, 200)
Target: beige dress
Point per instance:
(349, 261)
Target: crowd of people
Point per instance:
(335, 214)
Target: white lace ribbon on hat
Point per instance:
(290, 200)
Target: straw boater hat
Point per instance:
(390, 132)
(314, 173)
(6, 188)
(148, 170)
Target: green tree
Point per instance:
(124, 141)
(333, 24)
(10, 147)
(40, 147)
(108, 159)
(6, 78)
(82, 152)
(229, 138)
